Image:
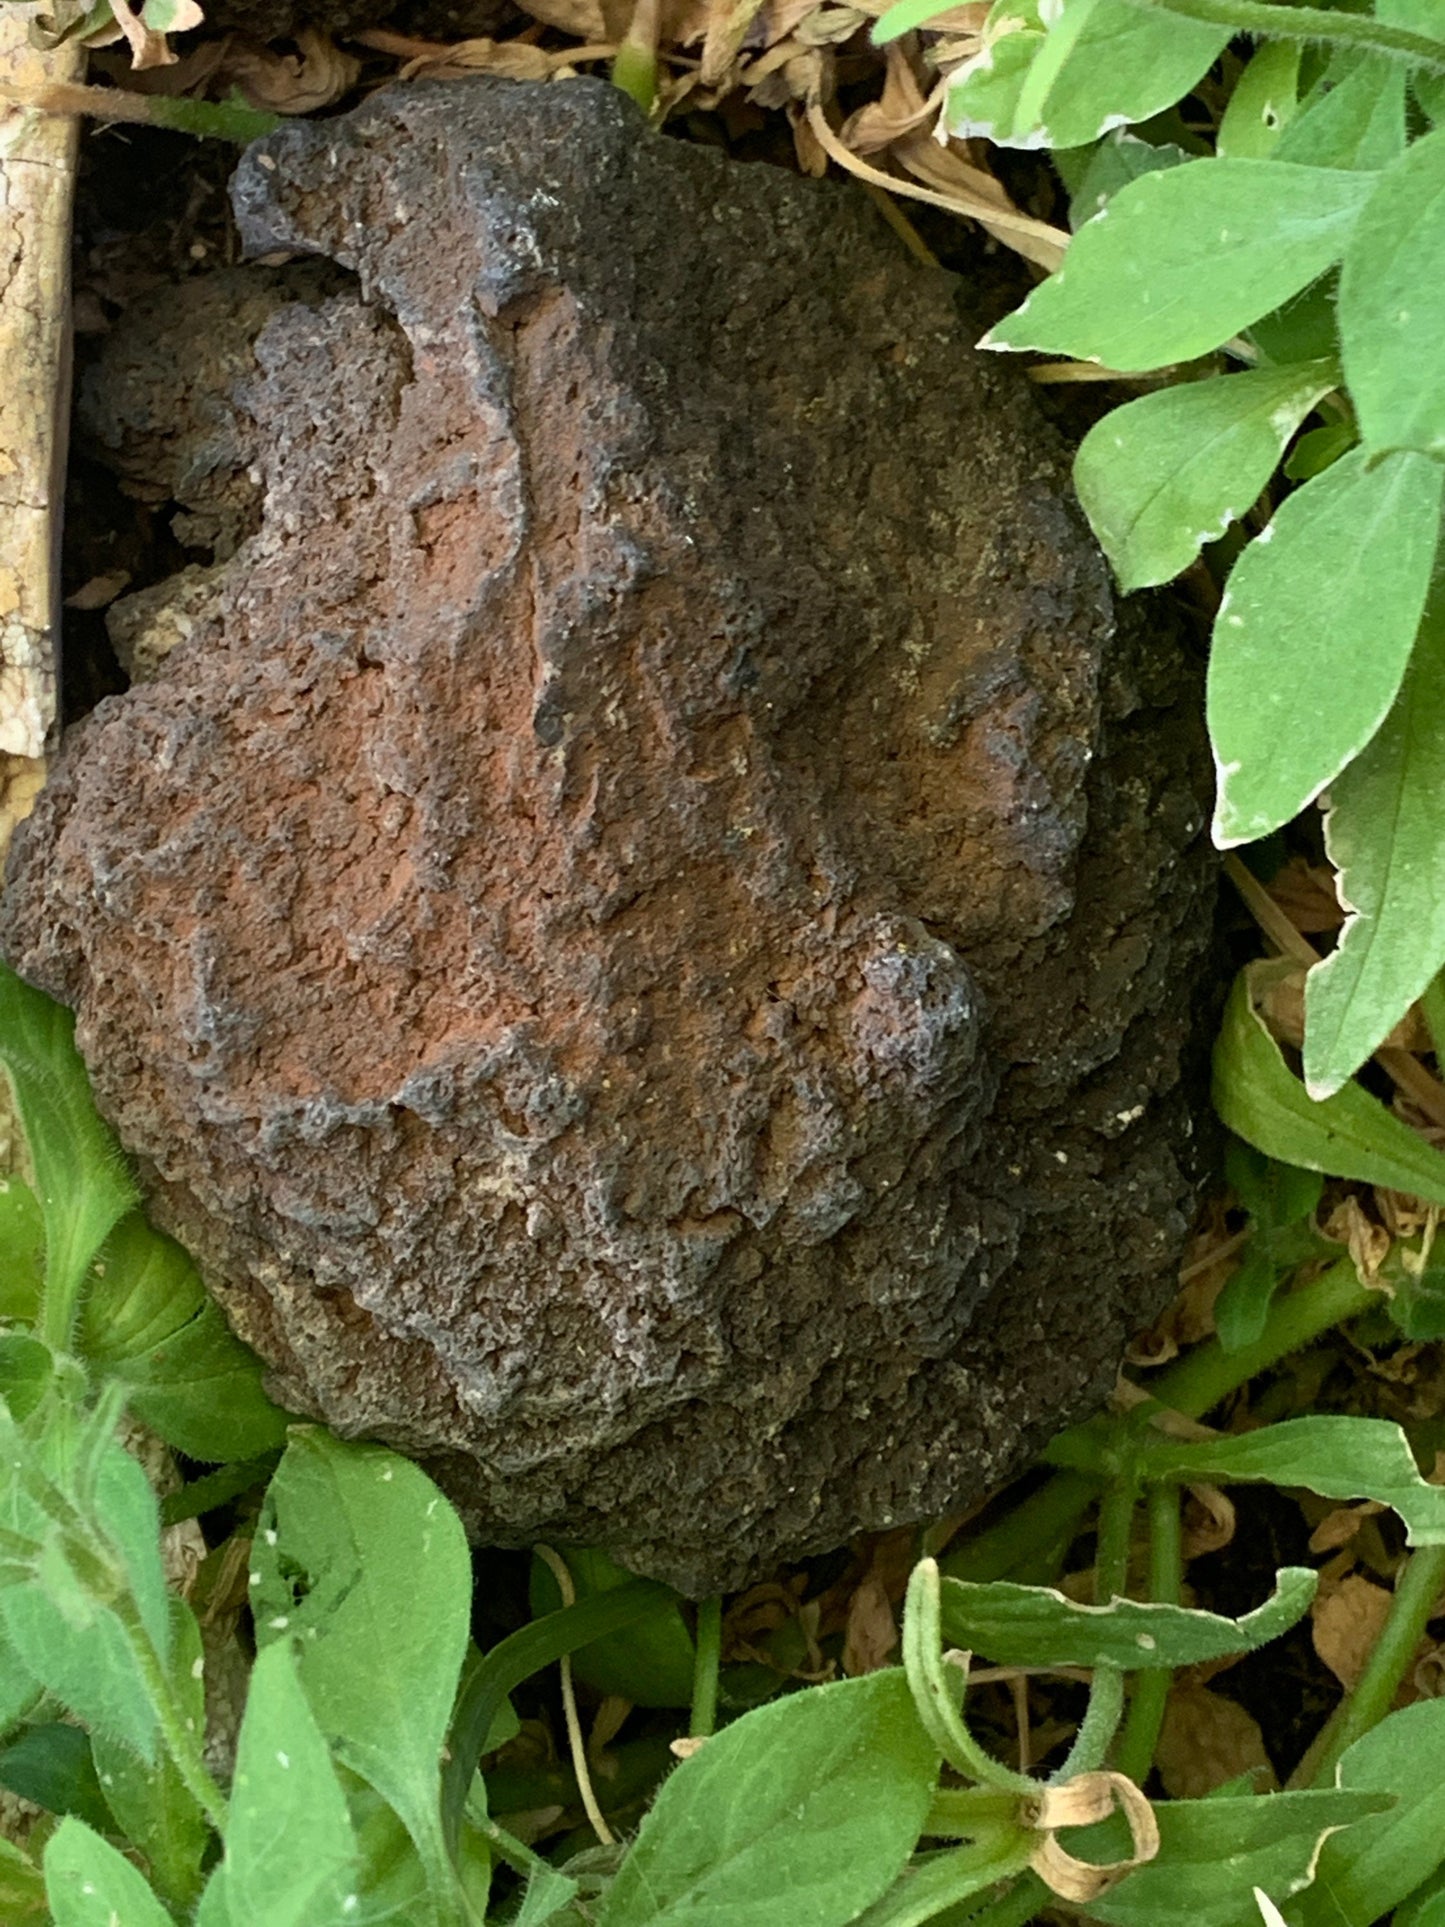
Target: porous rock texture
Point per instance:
(646, 937)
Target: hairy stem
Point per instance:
(1135, 1753)
(705, 1668)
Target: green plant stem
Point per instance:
(1267, 21)
(1197, 1383)
(705, 1668)
(1135, 1753)
(1052, 1514)
(1111, 1580)
(181, 1741)
(967, 1812)
(1415, 1596)
(217, 1488)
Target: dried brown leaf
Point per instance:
(1346, 1623)
(871, 1635)
(317, 75)
(1207, 1740)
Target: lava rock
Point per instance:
(646, 936)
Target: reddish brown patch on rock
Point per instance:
(645, 938)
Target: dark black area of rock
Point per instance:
(650, 934)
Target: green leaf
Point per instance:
(51, 1765)
(80, 1176)
(1338, 1457)
(1319, 449)
(363, 1561)
(22, 1889)
(1116, 160)
(1355, 118)
(1327, 600)
(1037, 1626)
(22, 1250)
(69, 1638)
(1167, 473)
(150, 1803)
(1349, 1135)
(1263, 103)
(89, 1884)
(1101, 64)
(1303, 329)
(803, 1811)
(1180, 261)
(518, 1657)
(1214, 1853)
(1281, 1201)
(1385, 834)
(1377, 1863)
(932, 1885)
(149, 1322)
(650, 1663)
(1392, 304)
(290, 1852)
(27, 1369)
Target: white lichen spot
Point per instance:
(386, 1476)
(269, 1535)
(1234, 622)
(1062, 1156)
(1266, 534)
(279, 1623)
(253, 1578)
(1146, 1642)
(1224, 602)
(198, 1668)
(283, 1760)
(1131, 1116)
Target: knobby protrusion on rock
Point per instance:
(645, 935)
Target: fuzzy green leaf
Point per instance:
(1116, 160)
(1163, 475)
(149, 1323)
(1366, 1871)
(1263, 103)
(1037, 1626)
(1313, 635)
(150, 1803)
(81, 1178)
(1355, 118)
(1385, 833)
(22, 1250)
(1180, 261)
(363, 1561)
(1100, 65)
(1338, 1457)
(90, 1884)
(1392, 304)
(1214, 1853)
(803, 1811)
(290, 1851)
(1349, 1135)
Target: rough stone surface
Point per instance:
(645, 937)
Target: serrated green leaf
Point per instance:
(1366, 1871)
(1038, 1626)
(1349, 1135)
(363, 1561)
(1385, 834)
(1101, 64)
(81, 1178)
(1214, 1853)
(90, 1884)
(1328, 599)
(150, 1803)
(291, 1855)
(1182, 260)
(803, 1811)
(1355, 118)
(1340, 1458)
(1392, 304)
(1263, 103)
(1167, 473)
